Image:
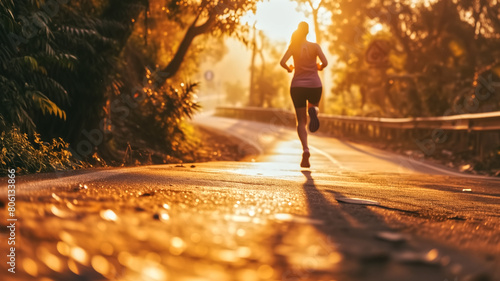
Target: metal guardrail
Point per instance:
(478, 133)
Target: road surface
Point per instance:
(357, 214)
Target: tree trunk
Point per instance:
(252, 100)
(319, 39)
(316, 26)
(123, 11)
(174, 65)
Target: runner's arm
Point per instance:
(322, 58)
(285, 58)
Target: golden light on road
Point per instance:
(109, 215)
(30, 266)
(102, 265)
(79, 255)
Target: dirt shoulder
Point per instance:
(218, 146)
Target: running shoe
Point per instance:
(305, 160)
(314, 121)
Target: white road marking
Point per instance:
(327, 156)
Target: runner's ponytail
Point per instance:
(298, 37)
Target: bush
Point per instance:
(156, 126)
(33, 156)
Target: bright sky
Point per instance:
(278, 19)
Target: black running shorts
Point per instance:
(300, 95)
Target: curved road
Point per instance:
(357, 214)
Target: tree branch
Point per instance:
(193, 31)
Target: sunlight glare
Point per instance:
(425, 3)
(278, 19)
(376, 28)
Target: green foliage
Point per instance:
(223, 15)
(91, 46)
(33, 156)
(156, 124)
(437, 52)
(46, 105)
(61, 71)
(26, 87)
(54, 67)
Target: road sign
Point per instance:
(209, 75)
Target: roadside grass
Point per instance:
(33, 155)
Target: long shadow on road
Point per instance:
(351, 230)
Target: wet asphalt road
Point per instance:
(263, 219)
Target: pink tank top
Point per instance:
(306, 70)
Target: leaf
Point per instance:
(31, 62)
(46, 105)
